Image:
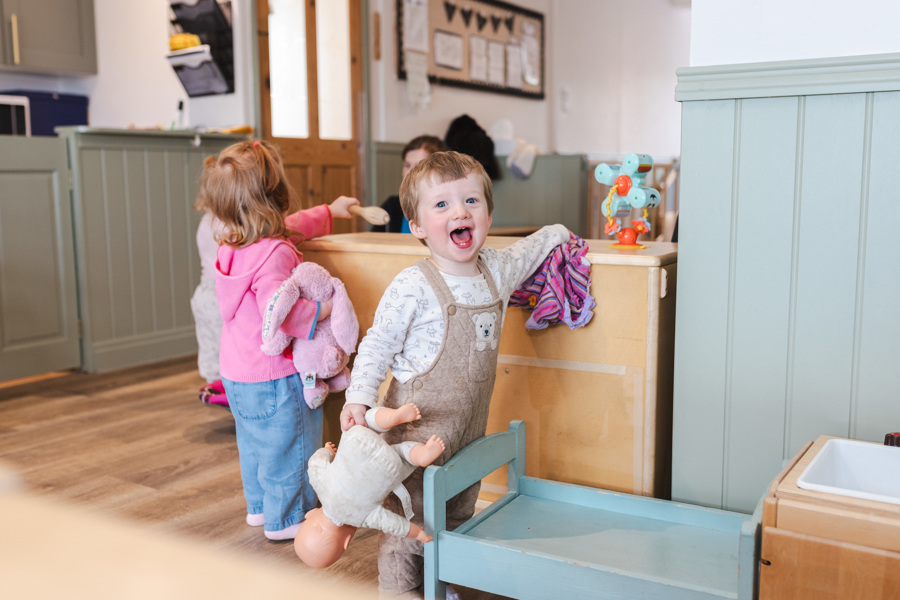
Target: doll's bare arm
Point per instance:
(417, 532)
(390, 522)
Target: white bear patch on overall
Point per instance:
(484, 330)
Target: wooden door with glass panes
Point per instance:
(310, 56)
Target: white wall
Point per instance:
(615, 62)
(394, 119)
(735, 31)
(615, 58)
(134, 85)
(619, 100)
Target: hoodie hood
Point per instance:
(236, 269)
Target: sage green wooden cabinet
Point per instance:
(38, 305)
(135, 240)
(55, 36)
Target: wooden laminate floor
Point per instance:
(137, 444)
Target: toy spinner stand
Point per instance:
(627, 192)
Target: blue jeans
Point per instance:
(277, 433)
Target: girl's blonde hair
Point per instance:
(245, 187)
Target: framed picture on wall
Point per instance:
(486, 45)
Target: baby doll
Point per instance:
(353, 483)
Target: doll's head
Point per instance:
(245, 187)
(319, 542)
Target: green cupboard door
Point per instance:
(38, 305)
(50, 35)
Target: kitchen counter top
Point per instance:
(154, 133)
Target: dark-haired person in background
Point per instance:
(417, 149)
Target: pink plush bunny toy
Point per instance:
(321, 361)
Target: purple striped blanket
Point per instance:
(559, 291)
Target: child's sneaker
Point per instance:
(214, 393)
(288, 533)
(256, 520)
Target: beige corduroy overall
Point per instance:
(453, 395)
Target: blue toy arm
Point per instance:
(606, 174)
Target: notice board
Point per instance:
(479, 44)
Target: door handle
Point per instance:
(15, 38)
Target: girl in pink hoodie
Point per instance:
(246, 189)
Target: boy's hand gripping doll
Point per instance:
(353, 482)
(322, 360)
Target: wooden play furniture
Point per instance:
(545, 539)
(598, 400)
(823, 546)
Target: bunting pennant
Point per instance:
(450, 8)
(509, 22)
(482, 21)
(466, 15)
(495, 23)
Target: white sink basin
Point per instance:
(854, 468)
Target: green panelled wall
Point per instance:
(788, 268)
(135, 229)
(556, 191)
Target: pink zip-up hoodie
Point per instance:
(246, 279)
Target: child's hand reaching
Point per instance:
(341, 207)
(325, 309)
(353, 414)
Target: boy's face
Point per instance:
(453, 221)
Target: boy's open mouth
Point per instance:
(462, 237)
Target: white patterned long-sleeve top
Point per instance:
(408, 328)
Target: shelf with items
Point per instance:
(207, 68)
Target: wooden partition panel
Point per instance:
(597, 399)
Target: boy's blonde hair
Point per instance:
(436, 168)
(245, 187)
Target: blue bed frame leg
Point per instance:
(435, 520)
(439, 486)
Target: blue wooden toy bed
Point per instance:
(545, 539)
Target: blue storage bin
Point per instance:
(49, 110)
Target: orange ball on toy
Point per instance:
(623, 185)
(627, 236)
